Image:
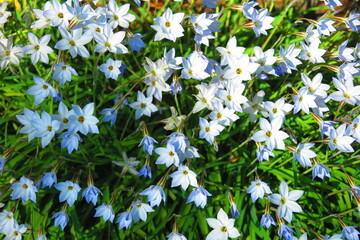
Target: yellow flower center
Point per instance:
(110, 68)
(45, 86)
(25, 186)
(207, 129)
(72, 43)
(37, 47)
(229, 97)
(63, 68)
(70, 187)
(171, 153)
(185, 172)
(7, 53)
(60, 15)
(283, 200)
(238, 70)
(167, 24)
(143, 105)
(107, 44)
(275, 110)
(65, 120)
(219, 115)
(268, 133)
(49, 128)
(223, 229)
(81, 119)
(346, 95)
(116, 17)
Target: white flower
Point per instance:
(205, 97)
(184, 177)
(9, 53)
(265, 60)
(345, 53)
(139, 211)
(128, 164)
(223, 115)
(277, 109)
(58, 14)
(74, 42)
(194, 67)
(339, 141)
(286, 201)
(119, 16)
(168, 26)
(198, 196)
(143, 105)
(209, 130)
(232, 96)
(38, 48)
(303, 154)
(312, 52)
(303, 101)
(7, 222)
(347, 92)
(109, 41)
(231, 51)
(223, 227)
(270, 134)
(254, 106)
(240, 69)
(258, 189)
(167, 156)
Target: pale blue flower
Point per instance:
(41, 90)
(286, 201)
(16, 232)
(61, 219)
(135, 42)
(63, 73)
(7, 222)
(155, 195)
(285, 232)
(110, 115)
(258, 189)
(234, 210)
(176, 236)
(350, 233)
(45, 128)
(303, 154)
(70, 141)
(145, 171)
(320, 171)
(24, 189)
(91, 194)
(2, 164)
(48, 179)
(198, 196)
(148, 144)
(111, 68)
(68, 191)
(263, 153)
(267, 220)
(106, 211)
(143, 106)
(83, 120)
(26, 119)
(124, 220)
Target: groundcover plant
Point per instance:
(179, 120)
